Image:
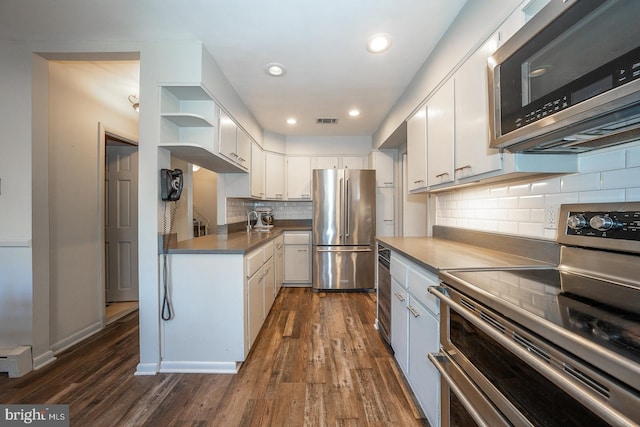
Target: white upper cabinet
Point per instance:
(257, 172)
(228, 137)
(325, 162)
(249, 185)
(274, 175)
(440, 135)
(299, 177)
(353, 162)
(383, 161)
(417, 151)
(472, 153)
(338, 162)
(244, 148)
(234, 143)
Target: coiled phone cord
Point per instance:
(167, 309)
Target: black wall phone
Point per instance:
(170, 184)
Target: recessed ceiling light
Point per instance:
(379, 43)
(292, 121)
(354, 113)
(274, 69)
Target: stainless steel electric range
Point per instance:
(548, 346)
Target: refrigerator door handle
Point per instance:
(346, 212)
(363, 249)
(341, 208)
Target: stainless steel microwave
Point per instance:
(569, 80)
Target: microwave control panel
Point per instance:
(616, 73)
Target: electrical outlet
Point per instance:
(551, 213)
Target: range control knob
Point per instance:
(576, 222)
(602, 223)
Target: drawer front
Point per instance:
(254, 261)
(297, 238)
(268, 250)
(419, 282)
(398, 268)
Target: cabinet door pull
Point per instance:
(413, 311)
(399, 296)
(442, 174)
(388, 183)
(463, 168)
(233, 154)
(418, 181)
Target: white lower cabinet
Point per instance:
(415, 328)
(400, 325)
(269, 285)
(255, 300)
(297, 257)
(423, 376)
(279, 262)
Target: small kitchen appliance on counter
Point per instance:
(265, 219)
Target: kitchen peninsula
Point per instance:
(221, 288)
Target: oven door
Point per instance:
(463, 404)
(514, 370)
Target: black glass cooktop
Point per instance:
(603, 316)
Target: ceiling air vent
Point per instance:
(326, 121)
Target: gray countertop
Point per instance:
(232, 243)
(436, 254)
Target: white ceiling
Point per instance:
(322, 44)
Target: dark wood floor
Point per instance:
(317, 361)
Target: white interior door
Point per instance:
(121, 223)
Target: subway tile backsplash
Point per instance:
(237, 209)
(611, 175)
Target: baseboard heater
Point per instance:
(16, 361)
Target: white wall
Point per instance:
(332, 145)
(76, 107)
(15, 196)
(275, 142)
(611, 175)
(205, 206)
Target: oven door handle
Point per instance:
(443, 363)
(581, 394)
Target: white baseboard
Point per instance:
(77, 337)
(43, 359)
(147, 369)
(200, 367)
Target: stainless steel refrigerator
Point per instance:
(344, 221)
